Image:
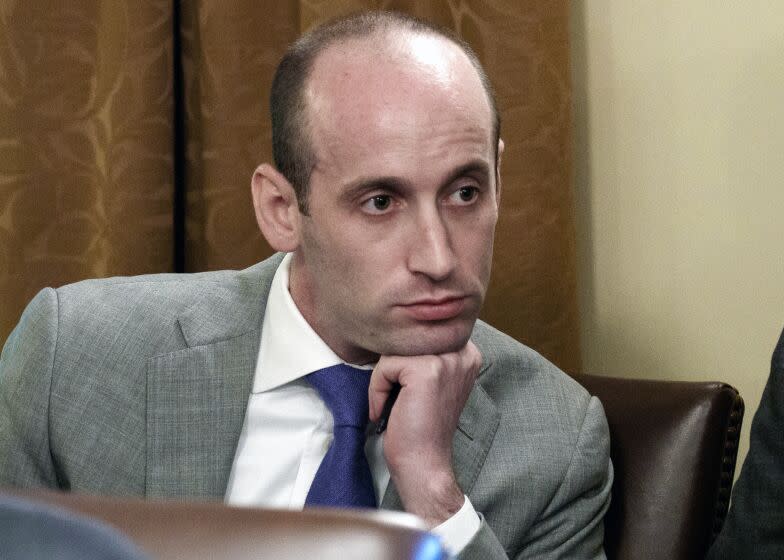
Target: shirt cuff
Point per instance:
(457, 531)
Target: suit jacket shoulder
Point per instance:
(111, 357)
(525, 385)
(544, 484)
(161, 310)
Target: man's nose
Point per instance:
(431, 251)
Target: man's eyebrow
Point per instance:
(358, 187)
(477, 167)
(396, 185)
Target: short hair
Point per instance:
(291, 143)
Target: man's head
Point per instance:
(291, 143)
(393, 253)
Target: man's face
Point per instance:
(395, 254)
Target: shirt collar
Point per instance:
(289, 347)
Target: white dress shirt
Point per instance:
(288, 428)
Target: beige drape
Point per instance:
(94, 94)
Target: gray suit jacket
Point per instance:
(138, 386)
(755, 524)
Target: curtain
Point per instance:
(129, 132)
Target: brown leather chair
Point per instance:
(673, 446)
(179, 530)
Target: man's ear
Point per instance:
(275, 203)
(498, 173)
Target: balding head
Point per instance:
(363, 41)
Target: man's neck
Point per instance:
(302, 294)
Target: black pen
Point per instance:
(387, 410)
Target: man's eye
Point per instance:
(464, 195)
(377, 204)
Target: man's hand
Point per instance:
(418, 440)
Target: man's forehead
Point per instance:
(428, 57)
(370, 77)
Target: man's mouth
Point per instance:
(436, 309)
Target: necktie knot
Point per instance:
(344, 390)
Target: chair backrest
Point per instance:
(180, 530)
(674, 446)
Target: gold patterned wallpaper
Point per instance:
(85, 136)
(86, 143)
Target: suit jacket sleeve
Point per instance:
(26, 367)
(755, 523)
(572, 524)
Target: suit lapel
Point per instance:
(474, 436)
(196, 402)
(196, 397)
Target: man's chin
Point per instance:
(430, 340)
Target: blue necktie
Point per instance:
(343, 479)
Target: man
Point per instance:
(755, 524)
(384, 198)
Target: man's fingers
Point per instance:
(392, 370)
(383, 378)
